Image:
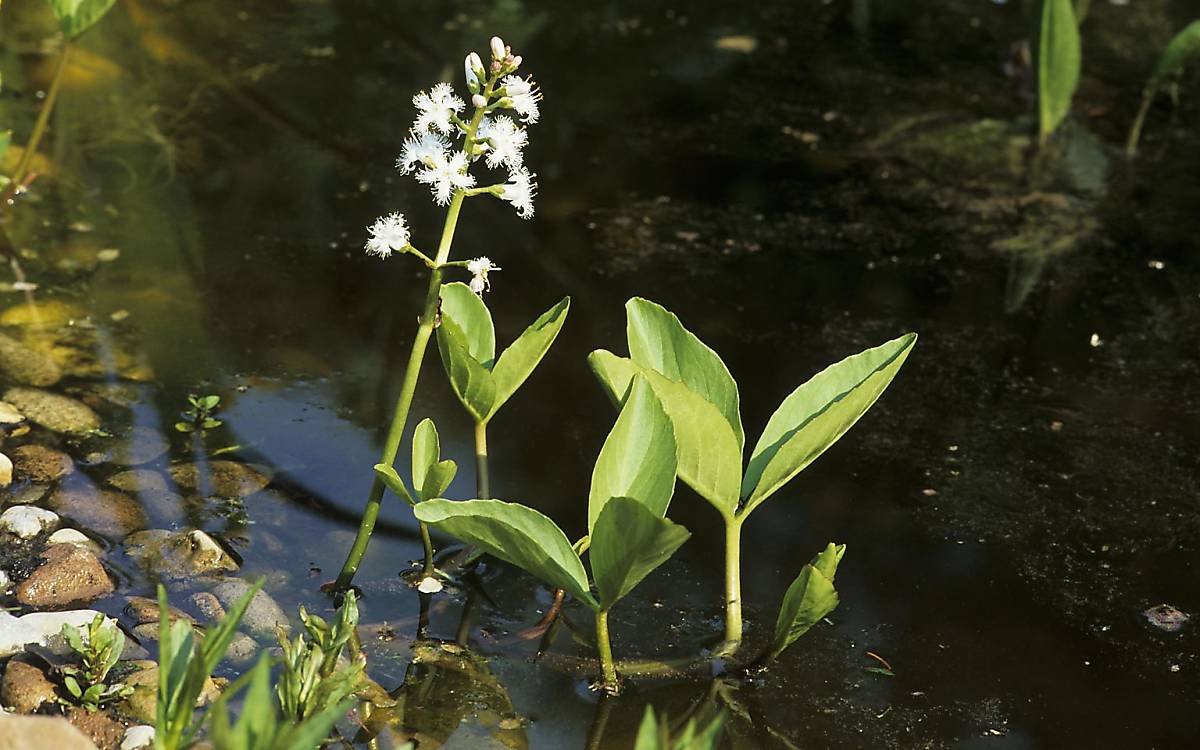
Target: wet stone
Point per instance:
(24, 366)
(1166, 618)
(222, 478)
(76, 537)
(141, 446)
(137, 480)
(208, 605)
(30, 494)
(54, 412)
(27, 521)
(38, 463)
(47, 315)
(145, 610)
(105, 512)
(25, 686)
(263, 614)
(69, 575)
(6, 470)
(9, 414)
(179, 554)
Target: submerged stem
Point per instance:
(733, 581)
(1135, 132)
(482, 489)
(608, 669)
(17, 178)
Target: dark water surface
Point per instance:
(791, 179)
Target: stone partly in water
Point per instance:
(21, 365)
(41, 628)
(39, 733)
(144, 610)
(38, 463)
(69, 575)
(6, 471)
(76, 537)
(263, 615)
(179, 554)
(27, 521)
(25, 686)
(105, 512)
(54, 412)
(221, 478)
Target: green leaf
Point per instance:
(708, 453)
(426, 451)
(71, 635)
(658, 341)
(1056, 60)
(815, 415)
(210, 402)
(72, 686)
(468, 313)
(516, 534)
(471, 381)
(312, 732)
(77, 16)
(1178, 53)
(518, 361)
(437, 480)
(630, 542)
(638, 456)
(810, 598)
(393, 482)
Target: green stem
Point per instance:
(1135, 132)
(420, 343)
(482, 490)
(427, 544)
(39, 126)
(733, 580)
(608, 669)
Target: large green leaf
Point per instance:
(518, 361)
(810, 598)
(816, 414)
(472, 317)
(77, 16)
(708, 454)
(628, 543)
(1056, 60)
(426, 451)
(638, 456)
(471, 381)
(1179, 52)
(658, 341)
(515, 533)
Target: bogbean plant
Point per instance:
(679, 406)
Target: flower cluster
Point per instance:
(433, 154)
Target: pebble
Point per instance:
(9, 414)
(39, 463)
(47, 314)
(208, 605)
(5, 582)
(69, 575)
(20, 364)
(221, 478)
(135, 480)
(1166, 618)
(25, 687)
(141, 446)
(54, 412)
(263, 614)
(138, 737)
(105, 512)
(73, 536)
(182, 554)
(42, 628)
(27, 521)
(6, 471)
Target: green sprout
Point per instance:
(98, 650)
(313, 678)
(200, 415)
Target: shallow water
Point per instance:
(1012, 504)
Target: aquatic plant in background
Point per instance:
(200, 414)
(1179, 52)
(1056, 63)
(628, 534)
(432, 155)
(701, 398)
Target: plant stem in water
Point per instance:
(733, 580)
(608, 669)
(1135, 132)
(17, 178)
(482, 489)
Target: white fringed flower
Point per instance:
(504, 142)
(436, 109)
(524, 96)
(479, 269)
(519, 191)
(445, 175)
(421, 149)
(388, 234)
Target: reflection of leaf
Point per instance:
(444, 688)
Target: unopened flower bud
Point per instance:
(473, 68)
(499, 51)
(516, 62)
(478, 101)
